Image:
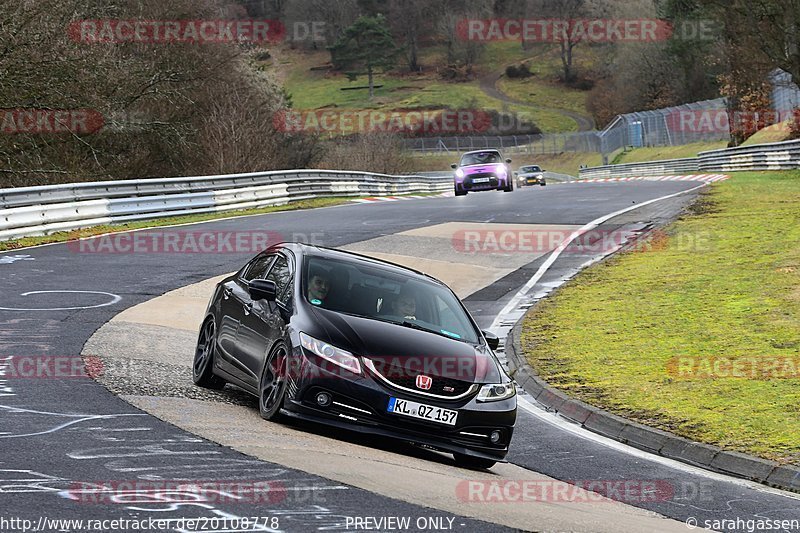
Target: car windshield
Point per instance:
(480, 158)
(531, 168)
(378, 293)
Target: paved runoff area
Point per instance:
(163, 331)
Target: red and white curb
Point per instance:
(375, 199)
(707, 178)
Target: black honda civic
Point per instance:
(362, 344)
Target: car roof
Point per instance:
(332, 253)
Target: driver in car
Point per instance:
(405, 305)
(318, 286)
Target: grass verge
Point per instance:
(640, 155)
(723, 282)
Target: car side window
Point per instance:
(258, 267)
(281, 275)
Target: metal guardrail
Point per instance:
(770, 156)
(30, 211)
(650, 168)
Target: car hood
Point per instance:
(531, 174)
(480, 169)
(396, 348)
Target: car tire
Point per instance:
(543, 184)
(460, 193)
(204, 355)
(473, 463)
(272, 385)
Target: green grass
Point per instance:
(539, 92)
(502, 53)
(639, 155)
(63, 236)
(322, 90)
(724, 281)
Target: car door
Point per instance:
(235, 299)
(265, 322)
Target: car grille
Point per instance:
(407, 379)
(492, 183)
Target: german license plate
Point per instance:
(420, 410)
(480, 180)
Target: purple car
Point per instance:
(482, 170)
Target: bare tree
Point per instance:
(764, 31)
(572, 13)
(381, 152)
(409, 19)
(157, 99)
(334, 15)
(449, 15)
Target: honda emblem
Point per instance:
(424, 382)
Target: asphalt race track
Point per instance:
(60, 435)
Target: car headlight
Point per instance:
(459, 173)
(496, 391)
(331, 353)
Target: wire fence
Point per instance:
(671, 126)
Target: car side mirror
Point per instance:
(263, 289)
(454, 166)
(508, 161)
(516, 173)
(491, 339)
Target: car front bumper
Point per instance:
(531, 180)
(359, 403)
(481, 182)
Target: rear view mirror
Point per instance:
(491, 339)
(262, 289)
